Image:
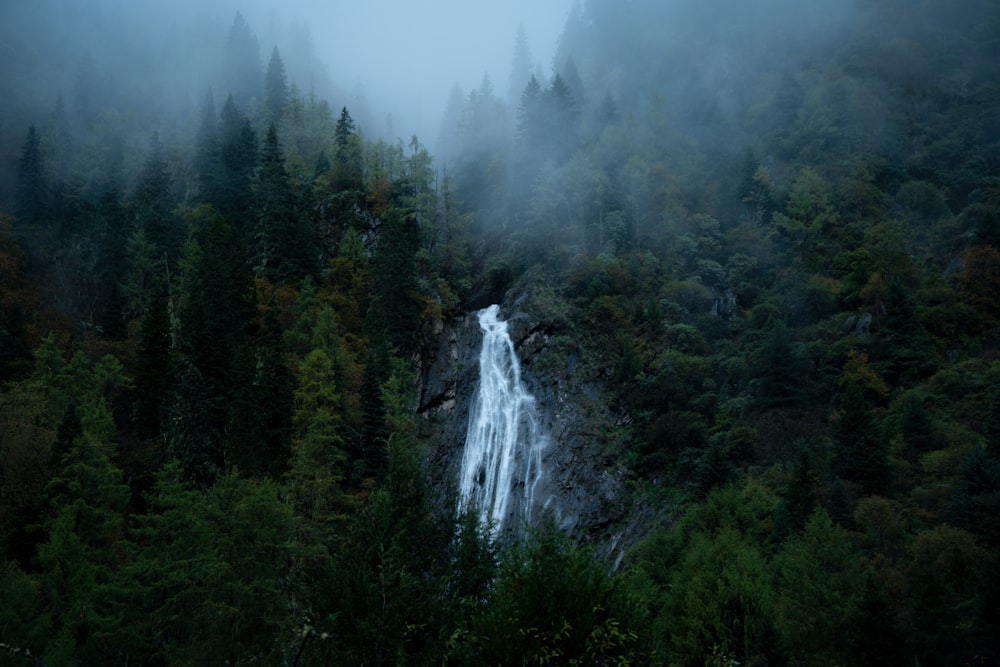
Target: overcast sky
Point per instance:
(408, 53)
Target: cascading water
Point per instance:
(501, 463)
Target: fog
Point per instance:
(407, 55)
(395, 60)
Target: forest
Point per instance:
(767, 232)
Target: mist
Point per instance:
(391, 62)
(408, 55)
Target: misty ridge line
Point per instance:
(155, 64)
(715, 63)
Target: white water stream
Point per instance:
(501, 463)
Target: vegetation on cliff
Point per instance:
(774, 252)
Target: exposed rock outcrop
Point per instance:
(583, 490)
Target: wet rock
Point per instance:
(581, 492)
(862, 329)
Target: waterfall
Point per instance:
(501, 463)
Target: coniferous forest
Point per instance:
(767, 232)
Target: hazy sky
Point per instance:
(409, 53)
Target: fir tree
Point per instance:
(396, 308)
(781, 381)
(152, 364)
(152, 201)
(860, 454)
(275, 87)
(237, 162)
(285, 247)
(112, 268)
(214, 321)
(243, 62)
(206, 160)
(260, 404)
(521, 66)
(32, 203)
(347, 154)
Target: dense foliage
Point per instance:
(777, 257)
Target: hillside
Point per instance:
(750, 257)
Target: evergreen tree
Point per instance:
(33, 197)
(551, 601)
(781, 380)
(530, 133)
(562, 113)
(574, 84)
(521, 66)
(77, 560)
(396, 307)
(206, 159)
(799, 497)
(275, 87)
(209, 572)
(112, 267)
(347, 154)
(237, 162)
(366, 454)
(916, 424)
(318, 460)
(161, 606)
(903, 340)
(284, 245)
(394, 578)
(152, 364)
(243, 76)
(260, 404)
(976, 503)
(859, 452)
(529, 113)
(991, 429)
(875, 639)
(152, 201)
(987, 613)
(214, 322)
(819, 591)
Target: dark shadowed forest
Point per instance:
(766, 233)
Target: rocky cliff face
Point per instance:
(583, 490)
